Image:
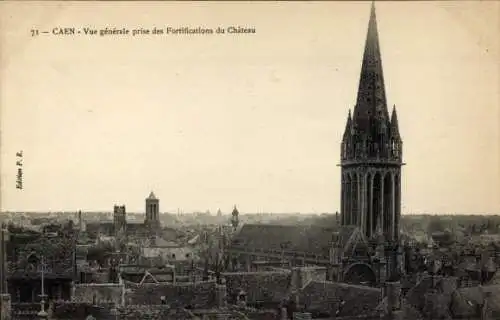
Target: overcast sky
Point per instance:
(249, 119)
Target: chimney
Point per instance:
(485, 309)
(284, 314)
(221, 293)
(393, 293)
(296, 279)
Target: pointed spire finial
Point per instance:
(394, 122)
(373, 15)
(371, 102)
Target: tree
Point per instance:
(435, 225)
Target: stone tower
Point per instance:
(235, 218)
(371, 152)
(119, 220)
(152, 211)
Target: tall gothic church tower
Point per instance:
(371, 152)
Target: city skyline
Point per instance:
(254, 120)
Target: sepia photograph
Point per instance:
(265, 160)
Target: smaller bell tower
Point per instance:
(152, 211)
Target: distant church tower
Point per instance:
(152, 211)
(119, 220)
(235, 218)
(371, 152)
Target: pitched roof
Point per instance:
(339, 298)
(496, 278)
(408, 312)
(259, 286)
(442, 289)
(477, 294)
(307, 239)
(152, 196)
(199, 295)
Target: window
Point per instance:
(187, 255)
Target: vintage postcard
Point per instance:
(250, 160)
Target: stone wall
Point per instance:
(78, 311)
(302, 276)
(263, 315)
(100, 277)
(97, 293)
(26, 310)
(143, 312)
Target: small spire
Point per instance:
(348, 126)
(394, 122)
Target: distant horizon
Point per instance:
(214, 214)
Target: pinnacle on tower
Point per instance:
(348, 125)
(394, 123)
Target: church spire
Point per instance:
(371, 103)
